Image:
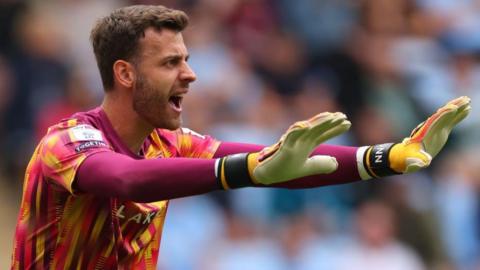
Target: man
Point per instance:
(97, 187)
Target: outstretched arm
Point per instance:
(116, 175)
(290, 159)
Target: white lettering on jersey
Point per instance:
(119, 212)
(137, 218)
(85, 133)
(148, 217)
(144, 218)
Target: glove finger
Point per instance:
(303, 136)
(340, 128)
(460, 102)
(458, 105)
(414, 164)
(439, 119)
(461, 114)
(304, 129)
(322, 117)
(309, 138)
(450, 115)
(293, 135)
(463, 104)
(318, 125)
(317, 120)
(287, 141)
(319, 164)
(318, 130)
(437, 135)
(403, 155)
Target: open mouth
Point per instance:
(176, 102)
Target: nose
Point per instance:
(187, 74)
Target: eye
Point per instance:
(172, 62)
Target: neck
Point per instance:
(131, 129)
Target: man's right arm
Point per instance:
(110, 174)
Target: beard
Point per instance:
(153, 106)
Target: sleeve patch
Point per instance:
(91, 144)
(85, 133)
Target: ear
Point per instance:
(124, 73)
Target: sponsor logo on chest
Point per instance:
(138, 217)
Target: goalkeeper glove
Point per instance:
(289, 158)
(418, 150)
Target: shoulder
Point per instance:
(77, 122)
(76, 129)
(91, 118)
(74, 135)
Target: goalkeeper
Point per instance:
(97, 187)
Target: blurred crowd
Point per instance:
(261, 65)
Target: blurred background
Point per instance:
(261, 65)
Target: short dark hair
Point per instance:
(117, 35)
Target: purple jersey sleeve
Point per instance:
(167, 178)
(146, 180)
(65, 147)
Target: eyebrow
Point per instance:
(175, 57)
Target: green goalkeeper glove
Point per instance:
(418, 150)
(289, 158)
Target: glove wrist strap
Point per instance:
(376, 160)
(232, 171)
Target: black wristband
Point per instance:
(232, 171)
(377, 162)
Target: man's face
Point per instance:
(162, 78)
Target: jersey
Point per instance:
(60, 228)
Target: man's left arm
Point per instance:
(265, 166)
